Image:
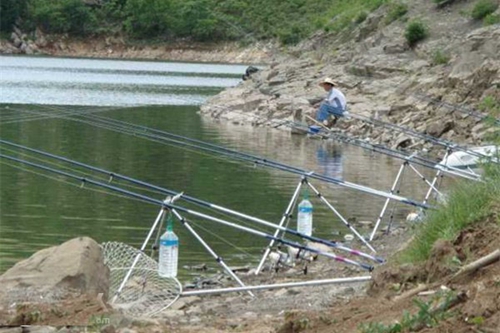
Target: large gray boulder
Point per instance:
(76, 266)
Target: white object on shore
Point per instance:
(465, 160)
(348, 237)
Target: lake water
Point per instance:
(39, 209)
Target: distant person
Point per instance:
(334, 105)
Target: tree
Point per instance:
(10, 11)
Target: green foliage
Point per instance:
(425, 316)
(62, 16)
(396, 11)
(491, 19)
(490, 105)
(361, 17)
(415, 32)
(148, 18)
(467, 203)
(440, 58)
(484, 8)
(10, 11)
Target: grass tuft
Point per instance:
(483, 8)
(416, 31)
(467, 203)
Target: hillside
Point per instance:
(382, 76)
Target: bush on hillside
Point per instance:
(484, 8)
(361, 17)
(62, 16)
(10, 11)
(440, 58)
(491, 19)
(415, 32)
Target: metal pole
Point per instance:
(340, 216)
(161, 214)
(386, 204)
(209, 249)
(285, 217)
(278, 285)
(195, 213)
(425, 180)
(429, 192)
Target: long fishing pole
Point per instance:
(199, 202)
(454, 107)
(418, 160)
(142, 131)
(161, 203)
(426, 137)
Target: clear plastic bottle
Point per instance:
(305, 216)
(169, 252)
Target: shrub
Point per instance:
(10, 10)
(491, 19)
(440, 58)
(396, 11)
(62, 16)
(415, 32)
(483, 8)
(361, 17)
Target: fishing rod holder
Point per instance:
(287, 215)
(397, 184)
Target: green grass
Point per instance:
(491, 19)
(396, 11)
(439, 57)
(416, 31)
(410, 322)
(467, 204)
(342, 13)
(483, 8)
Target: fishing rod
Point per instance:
(168, 205)
(158, 135)
(455, 107)
(426, 137)
(415, 159)
(196, 201)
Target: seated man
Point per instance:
(333, 105)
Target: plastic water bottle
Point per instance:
(305, 216)
(169, 252)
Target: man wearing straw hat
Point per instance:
(333, 105)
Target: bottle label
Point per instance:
(169, 242)
(305, 209)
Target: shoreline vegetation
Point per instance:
(371, 46)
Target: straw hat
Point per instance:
(329, 81)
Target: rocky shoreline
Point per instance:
(39, 43)
(383, 78)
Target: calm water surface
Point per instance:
(39, 209)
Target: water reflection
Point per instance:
(330, 159)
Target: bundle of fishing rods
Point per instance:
(92, 118)
(41, 160)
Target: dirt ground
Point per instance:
(322, 309)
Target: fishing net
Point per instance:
(145, 293)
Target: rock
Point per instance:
(394, 48)
(108, 329)
(76, 265)
(38, 329)
(440, 127)
(184, 302)
(11, 330)
(402, 141)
